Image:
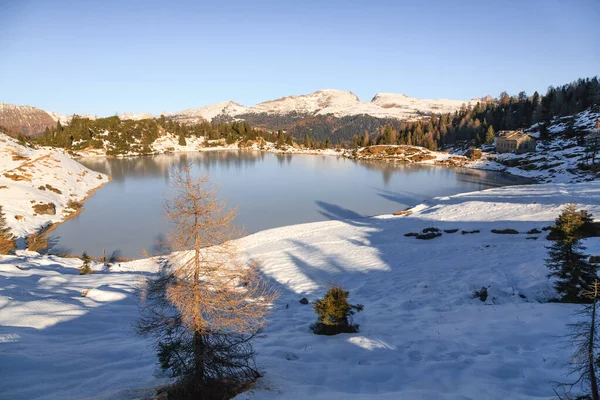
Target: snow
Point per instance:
(334, 102)
(422, 335)
(225, 108)
(36, 168)
(555, 160)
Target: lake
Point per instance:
(270, 190)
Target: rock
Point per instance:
(470, 232)
(428, 236)
(431, 230)
(473, 154)
(304, 300)
(411, 234)
(45, 208)
(451, 230)
(505, 231)
(534, 232)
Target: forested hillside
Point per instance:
(479, 123)
(136, 136)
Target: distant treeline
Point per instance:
(478, 123)
(123, 136)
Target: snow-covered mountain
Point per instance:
(328, 102)
(224, 109)
(337, 103)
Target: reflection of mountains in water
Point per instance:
(467, 175)
(158, 165)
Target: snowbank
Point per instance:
(422, 334)
(37, 177)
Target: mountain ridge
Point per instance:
(325, 102)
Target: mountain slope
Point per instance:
(26, 119)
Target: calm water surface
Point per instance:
(125, 216)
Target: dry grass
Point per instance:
(16, 177)
(6, 245)
(407, 212)
(53, 189)
(45, 208)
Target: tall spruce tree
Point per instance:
(567, 261)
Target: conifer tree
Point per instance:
(85, 268)
(490, 135)
(366, 140)
(307, 143)
(335, 313)
(567, 260)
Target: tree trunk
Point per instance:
(593, 383)
(199, 358)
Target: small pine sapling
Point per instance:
(85, 268)
(335, 314)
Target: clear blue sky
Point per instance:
(100, 57)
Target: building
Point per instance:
(515, 142)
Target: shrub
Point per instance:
(481, 294)
(38, 241)
(74, 204)
(335, 313)
(85, 268)
(7, 240)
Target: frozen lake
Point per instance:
(270, 190)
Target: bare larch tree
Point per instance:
(206, 303)
(584, 338)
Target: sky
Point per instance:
(107, 57)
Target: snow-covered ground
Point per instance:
(422, 334)
(35, 177)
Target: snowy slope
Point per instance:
(422, 334)
(556, 159)
(30, 177)
(411, 105)
(224, 109)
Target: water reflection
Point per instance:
(158, 165)
(269, 190)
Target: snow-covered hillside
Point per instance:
(207, 113)
(338, 103)
(36, 185)
(558, 158)
(422, 334)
